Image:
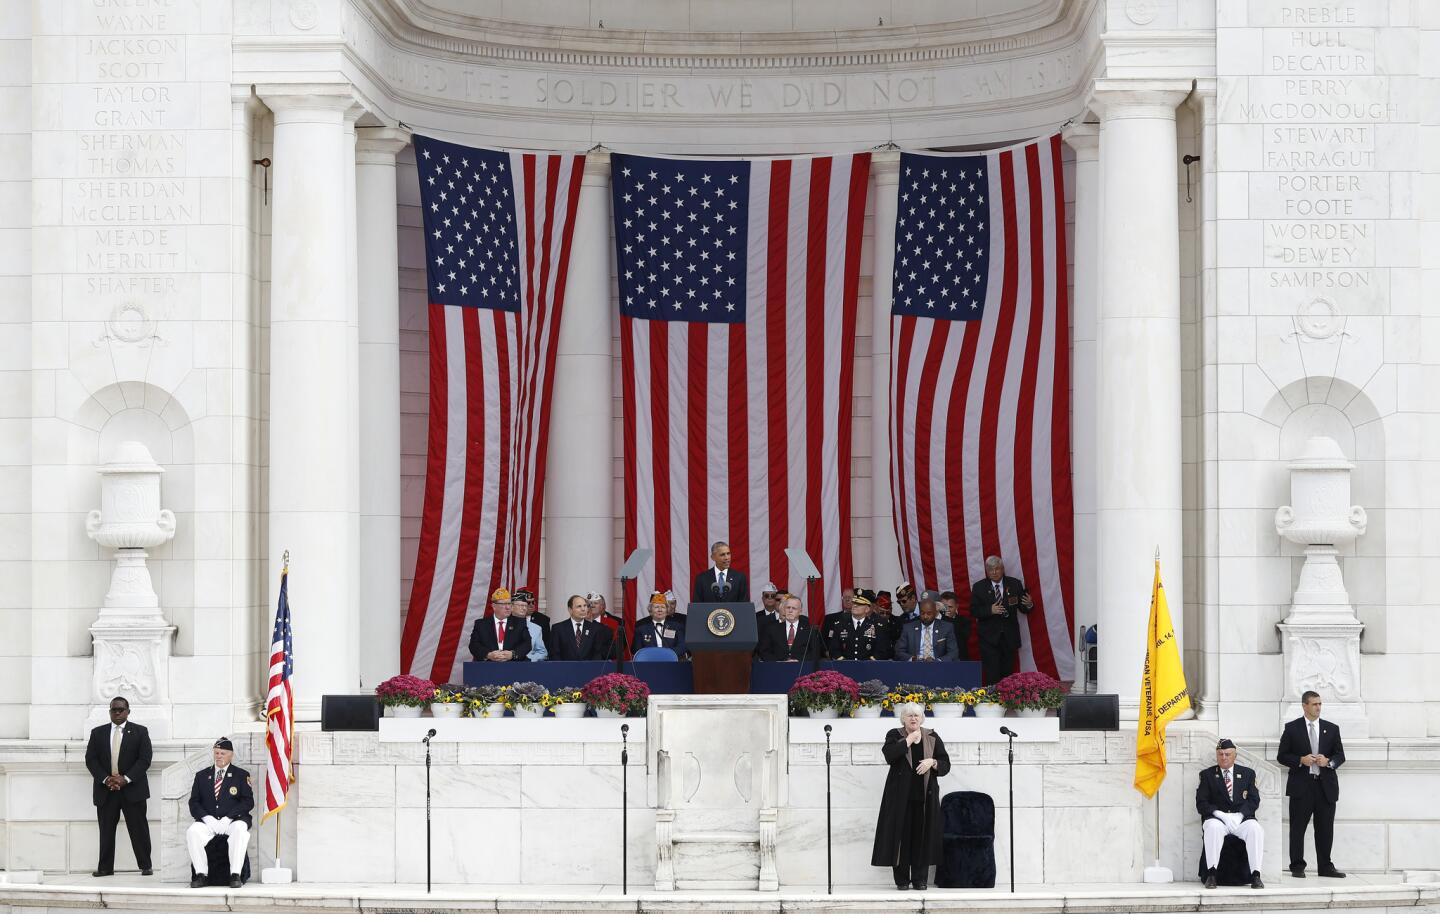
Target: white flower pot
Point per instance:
(867, 711)
(445, 709)
(823, 713)
(403, 710)
(494, 709)
(570, 709)
(606, 712)
(1032, 712)
(520, 711)
(947, 709)
(989, 709)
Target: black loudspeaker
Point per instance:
(349, 712)
(1090, 712)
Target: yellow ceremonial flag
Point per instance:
(1163, 694)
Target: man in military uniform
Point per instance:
(847, 604)
(220, 800)
(861, 637)
(1227, 798)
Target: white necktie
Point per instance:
(115, 736)
(1314, 746)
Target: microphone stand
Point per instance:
(624, 808)
(426, 741)
(829, 874)
(1011, 734)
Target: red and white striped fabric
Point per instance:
(280, 707)
(980, 432)
(498, 231)
(738, 284)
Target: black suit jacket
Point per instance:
(737, 588)
(134, 762)
(1295, 742)
(236, 798)
(771, 644)
(992, 628)
(1210, 796)
(595, 641)
(871, 642)
(517, 637)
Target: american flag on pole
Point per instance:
(980, 404)
(280, 708)
(498, 227)
(738, 286)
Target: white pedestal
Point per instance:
(276, 875)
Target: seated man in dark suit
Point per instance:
(929, 637)
(1227, 798)
(577, 638)
(661, 629)
(861, 637)
(500, 636)
(791, 638)
(221, 799)
(950, 612)
(720, 583)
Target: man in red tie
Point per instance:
(789, 638)
(499, 636)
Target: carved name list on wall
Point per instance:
(127, 122)
(1321, 188)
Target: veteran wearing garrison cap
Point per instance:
(220, 800)
(663, 628)
(1227, 798)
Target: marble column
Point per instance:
(312, 459)
(884, 548)
(580, 478)
(352, 368)
(1084, 139)
(1207, 705)
(1139, 491)
(379, 359)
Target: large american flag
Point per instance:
(280, 709)
(980, 430)
(498, 228)
(738, 285)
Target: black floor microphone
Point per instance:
(1006, 731)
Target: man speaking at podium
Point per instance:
(720, 583)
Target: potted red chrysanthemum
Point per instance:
(1029, 694)
(824, 694)
(616, 695)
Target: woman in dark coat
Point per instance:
(907, 832)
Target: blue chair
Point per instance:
(655, 655)
(967, 858)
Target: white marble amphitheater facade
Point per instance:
(256, 330)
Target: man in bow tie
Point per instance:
(1311, 749)
(1227, 798)
(118, 756)
(221, 799)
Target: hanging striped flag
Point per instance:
(738, 287)
(498, 228)
(980, 405)
(280, 708)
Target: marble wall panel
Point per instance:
(343, 786)
(346, 844)
(468, 846)
(458, 786)
(582, 847)
(1072, 835)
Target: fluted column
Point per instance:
(1139, 492)
(379, 359)
(312, 458)
(580, 479)
(884, 549)
(1084, 139)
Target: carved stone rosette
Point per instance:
(1320, 638)
(131, 636)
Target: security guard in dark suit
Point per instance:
(1311, 749)
(861, 637)
(220, 800)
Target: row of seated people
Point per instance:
(928, 626)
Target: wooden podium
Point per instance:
(721, 640)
